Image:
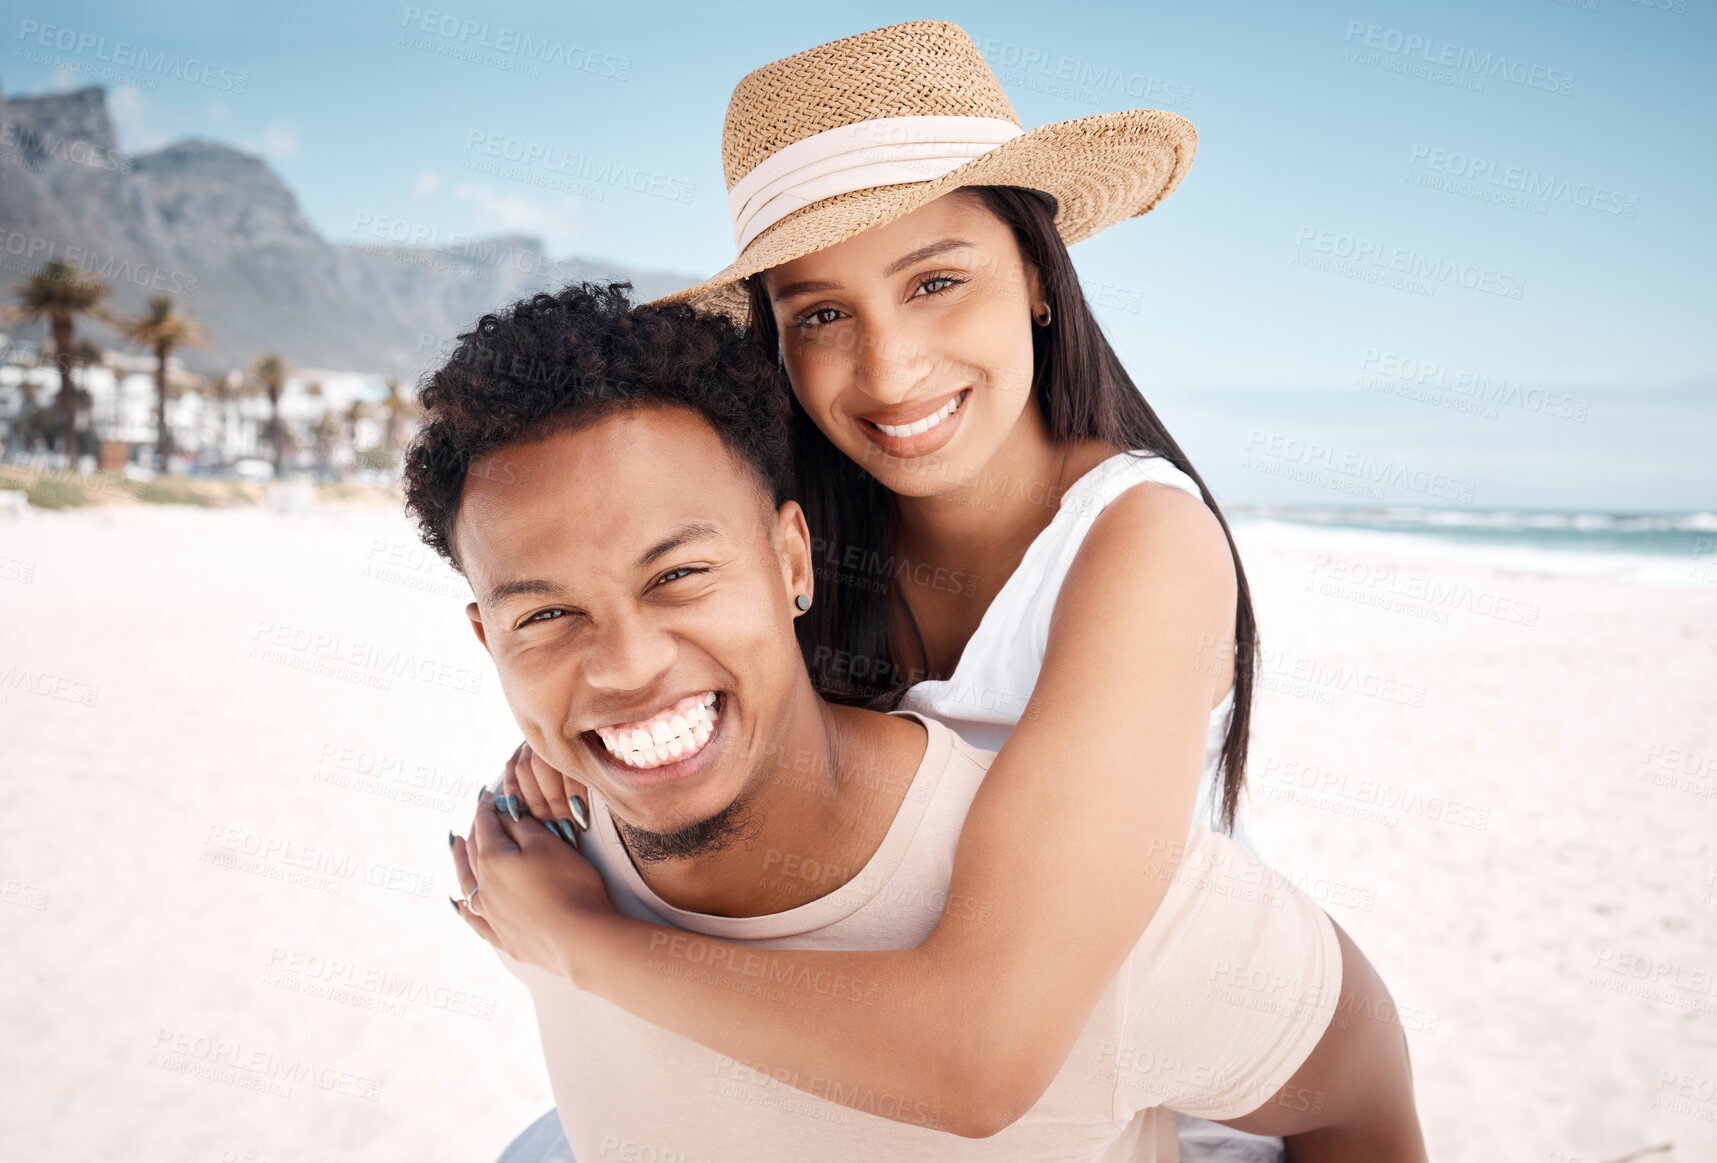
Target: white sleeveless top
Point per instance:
(985, 696)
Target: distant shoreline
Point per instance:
(1650, 549)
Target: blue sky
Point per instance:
(1319, 136)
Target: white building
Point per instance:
(205, 430)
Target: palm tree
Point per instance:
(396, 408)
(326, 435)
(205, 388)
(85, 355)
(59, 293)
(222, 389)
(356, 412)
(322, 432)
(319, 408)
(270, 376)
(227, 392)
(26, 361)
(161, 328)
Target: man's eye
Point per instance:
(677, 574)
(542, 616)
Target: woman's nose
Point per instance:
(890, 363)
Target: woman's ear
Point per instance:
(1036, 297)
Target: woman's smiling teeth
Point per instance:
(674, 733)
(928, 422)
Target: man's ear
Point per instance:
(793, 538)
(476, 616)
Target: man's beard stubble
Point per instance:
(703, 838)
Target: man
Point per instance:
(611, 482)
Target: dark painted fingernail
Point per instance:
(454, 903)
(553, 831)
(513, 808)
(450, 839)
(580, 812)
(566, 833)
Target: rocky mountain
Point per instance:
(217, 228)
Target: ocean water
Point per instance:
(1648, 548)
(1676, 535)
(1612, 483)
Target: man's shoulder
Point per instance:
(947, 748)
(950, 772)
(962, 751)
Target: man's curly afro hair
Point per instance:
(564, 360)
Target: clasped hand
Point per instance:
(527, 888)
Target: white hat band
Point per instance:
(887, 151)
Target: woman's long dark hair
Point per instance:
(1082, 391)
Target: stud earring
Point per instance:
(803, 601)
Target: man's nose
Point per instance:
(628, 653)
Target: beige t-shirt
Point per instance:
(1225, 995)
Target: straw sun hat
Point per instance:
(850, 135)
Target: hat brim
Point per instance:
(1099, 169)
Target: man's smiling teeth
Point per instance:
(671, 734)
(926, 424)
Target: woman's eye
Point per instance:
(677, 574)
(936, 284)
(815, 319)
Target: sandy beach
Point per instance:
(233, 742)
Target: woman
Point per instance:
(959, 415)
